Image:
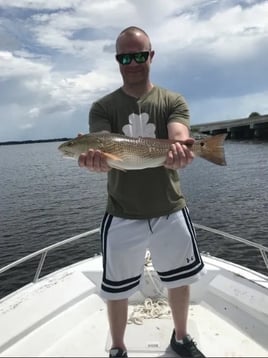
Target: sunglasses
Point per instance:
(138, 57)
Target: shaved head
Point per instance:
(130, 33)
(134, 41)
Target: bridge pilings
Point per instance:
(245, 128)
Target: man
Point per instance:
(145, 207)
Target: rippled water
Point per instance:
(45, 198)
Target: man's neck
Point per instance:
(137, 91)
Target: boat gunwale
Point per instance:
(43, 252)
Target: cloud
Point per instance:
(229, 107)
(57, 57)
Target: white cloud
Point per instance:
(227, 33)
(34, 112)
(13, 66)
(38, 4)
(226, 108)
(57, 57)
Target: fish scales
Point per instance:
(135, 153)
(127, 153)
(144, 147)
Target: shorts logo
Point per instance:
(189, 259)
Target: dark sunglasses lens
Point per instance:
(124, 59)
(141, 57)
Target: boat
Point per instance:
(61, 314)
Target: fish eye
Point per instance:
(69, 144)
(202, 144)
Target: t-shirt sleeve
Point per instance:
(179, 111)
(98, 118)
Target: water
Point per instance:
(45, 198)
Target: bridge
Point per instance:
(254, 126)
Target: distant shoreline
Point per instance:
(12, 142)
(64, 139)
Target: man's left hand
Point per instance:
(179, 156)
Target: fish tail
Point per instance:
(212, 149)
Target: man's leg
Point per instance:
(179, 303)
(181, 342)
(117, 315)
(123, 241)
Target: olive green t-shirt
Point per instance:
(146, 193)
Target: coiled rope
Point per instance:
(151, 308)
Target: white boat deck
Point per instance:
(63, 316)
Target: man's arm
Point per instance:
(94, 160)
(179, 155)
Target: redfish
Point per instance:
(128, 153)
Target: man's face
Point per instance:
(134, 73)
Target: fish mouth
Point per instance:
(65, 153)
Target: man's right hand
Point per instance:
(93, 160)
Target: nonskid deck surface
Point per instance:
(90, 336)
(214, 336)
(63, 316)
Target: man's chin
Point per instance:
(134, 79)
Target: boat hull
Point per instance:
(63, 314)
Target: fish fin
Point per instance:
(112, 160)
(211, 148)
(112, 157)
(114, 166)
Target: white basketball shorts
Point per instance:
(171, 241)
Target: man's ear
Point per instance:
(151, 55)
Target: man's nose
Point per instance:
(133, 63)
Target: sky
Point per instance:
(57, 58)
